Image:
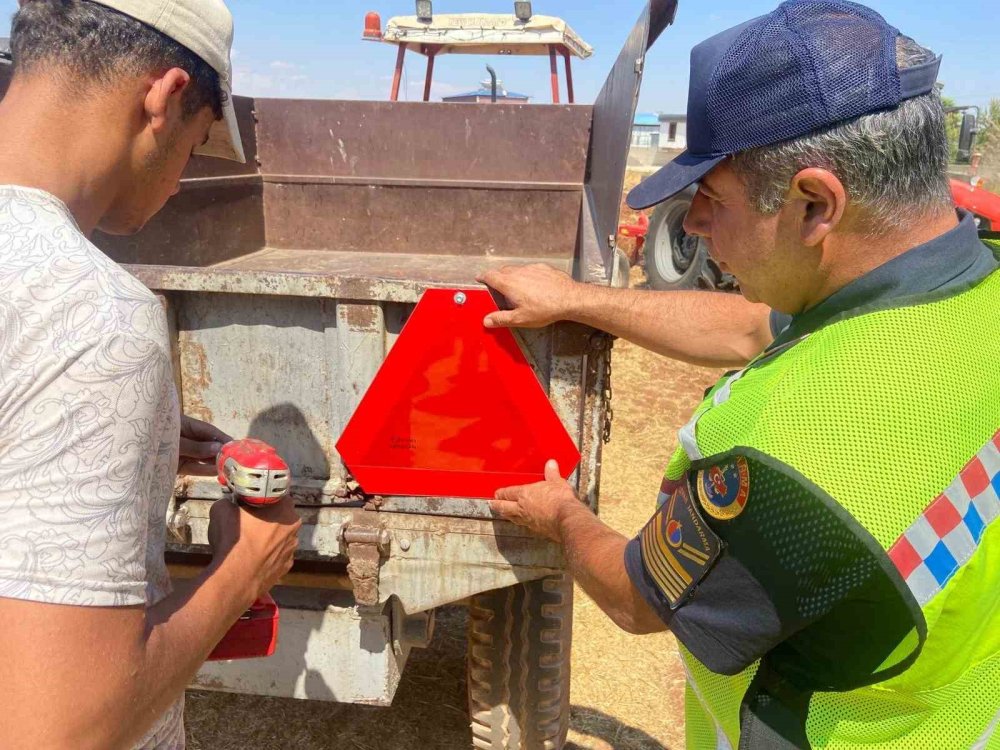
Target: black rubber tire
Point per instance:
(672, 258)
(519, 665)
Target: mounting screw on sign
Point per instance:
(460, 298)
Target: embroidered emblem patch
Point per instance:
(724, 489)
(678, 547)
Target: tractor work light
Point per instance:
(522, 10)
(425, 11)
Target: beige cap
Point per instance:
(206, 28)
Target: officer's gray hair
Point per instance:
(893, 164)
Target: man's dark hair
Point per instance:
(98, 44)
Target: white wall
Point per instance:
(679, 140)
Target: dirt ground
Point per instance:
(626, 691)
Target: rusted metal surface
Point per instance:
(291, 371)
(196, 228)
(303, 492)
(424, 141)
(435, 221)
(568, 381)
(341, 582)
(595, 416)
(354, 276)
(367, 543)
(438, 506)
(479, 180)
(433, 560)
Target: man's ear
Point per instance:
(823, 200)
(163, 100)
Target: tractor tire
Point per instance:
(673, 258)
(518, 665)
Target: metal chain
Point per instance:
(609, 411)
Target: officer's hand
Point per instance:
(261, 542)
(539, 507)
(200, 444)
(538, 294)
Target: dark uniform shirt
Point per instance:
(730, 615)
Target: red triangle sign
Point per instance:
(455, 410)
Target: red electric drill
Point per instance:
(252, 473)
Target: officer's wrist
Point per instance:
(570, 513)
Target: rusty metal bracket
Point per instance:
(367, 544)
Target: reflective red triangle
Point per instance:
(455, 410)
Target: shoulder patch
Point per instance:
(723, 490)
(678, 547)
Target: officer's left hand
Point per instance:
(539, 507)
(200, 444)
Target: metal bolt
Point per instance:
(404, 544)
(460, 298)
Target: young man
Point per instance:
(826, 548)
(109, 100)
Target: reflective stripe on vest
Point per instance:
(948, 532)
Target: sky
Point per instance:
(313, 48)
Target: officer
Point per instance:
(825, 547)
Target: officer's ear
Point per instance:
(819, 200)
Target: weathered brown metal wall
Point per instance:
(487, 181)
(422, 141)
(425, 220)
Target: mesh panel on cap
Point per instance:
(854, 58)
(803, 66)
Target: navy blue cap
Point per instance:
(805, 66)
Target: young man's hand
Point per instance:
(263, 541)
(200, 444)
(539, 294)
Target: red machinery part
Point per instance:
(253, 636)
(455, 410)
(979, 201)
(253, 471)
(637, 231)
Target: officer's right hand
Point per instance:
(261, 541)
(539, 295)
